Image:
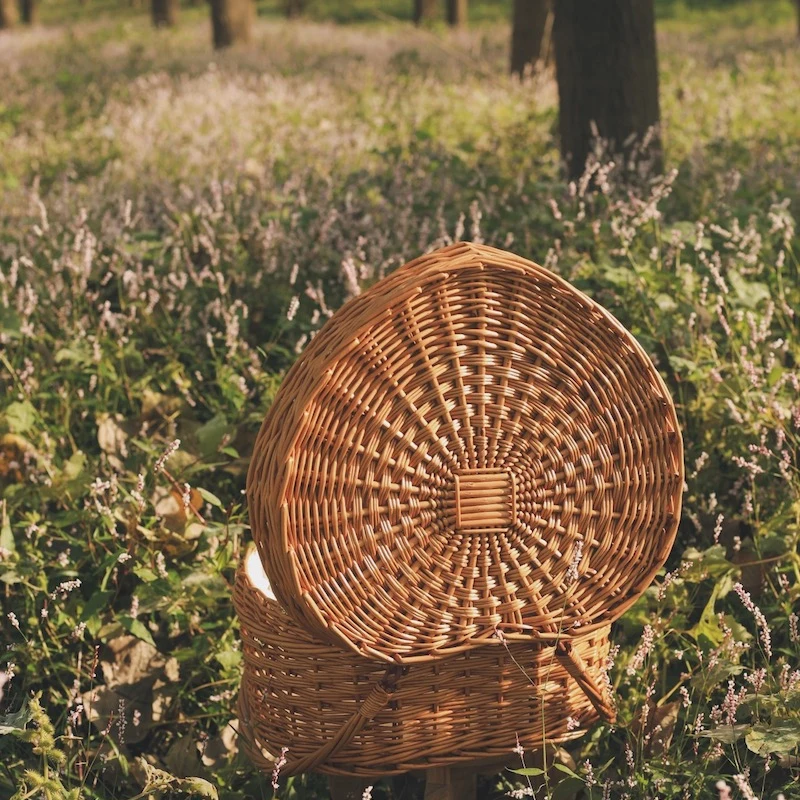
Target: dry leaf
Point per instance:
(126, 716)
(159, 782)
(659, 726)
(132, 660)
(139, 684)
(169, 505)
(110, 435)
(172, 670)
(159, 405)
(183, 758)
(12, 460)
(222, 748)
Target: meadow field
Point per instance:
(177, 223)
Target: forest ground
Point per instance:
(161, 205)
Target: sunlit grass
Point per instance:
(163, 206)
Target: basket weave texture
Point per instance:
(471, 446)
(338, 712)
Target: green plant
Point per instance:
(173, 231)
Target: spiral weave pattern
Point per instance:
(472, 445)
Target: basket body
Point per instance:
(309, 696)
(471, 446)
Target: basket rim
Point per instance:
(391, 695)
(244, 583)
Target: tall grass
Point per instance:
(176, 224)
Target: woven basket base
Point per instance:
(339, 713)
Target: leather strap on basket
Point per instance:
(577, 668)
(375, 702)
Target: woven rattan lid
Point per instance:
(472, 445)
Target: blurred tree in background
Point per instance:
(8, 14)
(607, 77)
(424, 11)
(231, 21)
(164, 12)
(457, 13)
(294, 8)
(176, 224)
(29, 11)
(531, 29)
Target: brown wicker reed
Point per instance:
(472, 445)
(338, 712)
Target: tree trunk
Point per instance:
(232, 21)
(29, 11)
(424, 11)
(8, 14)
(457, 13)
(607, 75)
(531, 34)
(165, 13)
(293, 8)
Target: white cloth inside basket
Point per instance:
(255, 572)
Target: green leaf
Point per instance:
(10, 323)
(710, 562)
(708, 626)
(210, 435)
(740, 633)
(145, 574)
(567, 771)
(137, 628)
(665, 302)
(569, 789)
(683, 366)
(620, 276)
(528, 772)
(773, 544)
(105, 632)
(775, 374)
(97, 601)
(716, 675)
(73, 355)
(6, 534)
(210, 498)
(727, 734)
(74, 467)
(229, 658)
(781, 738)
(211, 585)
(197, 787)
(686, 229)
(20, 417)
(9, 723)
(750, 293)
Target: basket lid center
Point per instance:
(485, 500)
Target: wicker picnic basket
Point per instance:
(470, 453)
(338, 712)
